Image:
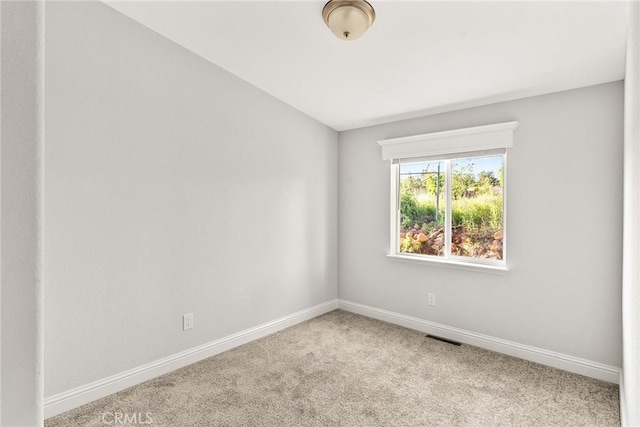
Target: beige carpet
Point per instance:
(342, 369)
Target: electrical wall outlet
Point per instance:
(187, 321)
(431, 299)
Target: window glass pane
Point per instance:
(476, 207)
(422, 208)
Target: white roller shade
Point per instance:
(467, 140)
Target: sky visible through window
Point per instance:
(480, 164)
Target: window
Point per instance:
(448, 198)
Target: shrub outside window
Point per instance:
(450, 206)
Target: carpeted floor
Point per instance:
(342, 369)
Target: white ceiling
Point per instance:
(418, 58)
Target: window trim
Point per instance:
(478, 138)
(448, 263)
(450, 143)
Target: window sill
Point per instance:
(482, 268)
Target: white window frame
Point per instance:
(460, 143)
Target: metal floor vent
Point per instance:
(433, 337)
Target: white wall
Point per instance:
(21, 224)
(631, 266)
(562, 292)
(171, 187)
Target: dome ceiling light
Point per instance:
(348, 19)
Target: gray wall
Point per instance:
(171, 187)
(21, 225)
(562, 292)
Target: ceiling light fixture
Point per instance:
(348, 19)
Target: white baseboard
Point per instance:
(534, 354)
(79, 396)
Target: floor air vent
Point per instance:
(433, 337)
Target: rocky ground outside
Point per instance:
(477, 243)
